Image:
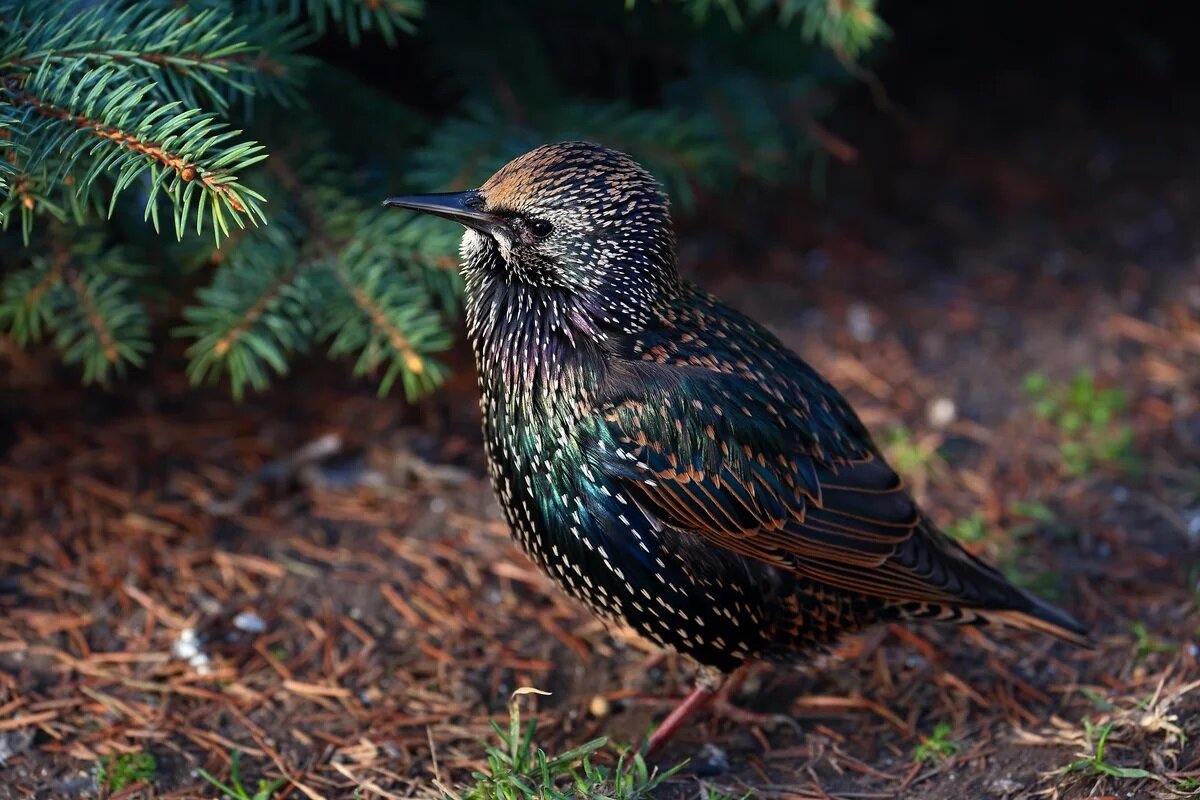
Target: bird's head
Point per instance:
(574, 222)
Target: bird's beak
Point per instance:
(462, 207)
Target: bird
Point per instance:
(665, 459)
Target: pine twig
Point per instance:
(185, 169)
(412, 360)
(95, 320)
(231, 337)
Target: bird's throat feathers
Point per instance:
(535, 346)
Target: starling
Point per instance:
(664, 458)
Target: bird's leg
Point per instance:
(722, 700)
(696, 700)
(723, 705)
(713, 688)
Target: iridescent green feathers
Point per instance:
(664, 458)
(721, 431)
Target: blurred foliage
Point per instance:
(116, 771)
(937, 746)
(267, 131)
(517, 769)
(1091, 422)
(263, 790)
(972, 528)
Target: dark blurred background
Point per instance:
(983, 230)
(763, 124)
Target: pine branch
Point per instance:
(273, 67)
(464, 149)
(104, 343)
(848, 27)
(93, 311)
(26, 305)
(107, 331)
(107, 102)
(385, 334)
(329, 269)
(8, 158)
(378, 266)
(355, 17)
(104, 121)
(388, 321)
(190, 55)
(844, 26)
(429, 249)
(255, 315)
(679, 149)
(277, 71)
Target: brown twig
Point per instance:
(412, 360)
(95, 320)
(185, 169)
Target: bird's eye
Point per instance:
(540, 228)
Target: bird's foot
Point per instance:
(717, 697)
(696, 700)
(723, 707)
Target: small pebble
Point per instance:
(942, 412)
(599, 707)
(858, 320)
(249, 622)
(710, 761)
(1193, 525)
(186, 645)
(14, 743)
(1004, 787)
(187, 648)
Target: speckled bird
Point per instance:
(664, 458)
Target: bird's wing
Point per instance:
(724, 458)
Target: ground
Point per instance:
(319, 579)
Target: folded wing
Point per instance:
(714, 455)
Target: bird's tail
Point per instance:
(987, 595)
(1043, 618)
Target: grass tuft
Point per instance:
(1146, 643)
(1095, 763)
(519, 770)
(912, 457)
(1090, 420)
(971, 528)
(937, 746)
(116, 771)
(264, 790)
(1149, 728)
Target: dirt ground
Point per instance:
(319, 579)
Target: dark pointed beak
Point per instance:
(462, 207)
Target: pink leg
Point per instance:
(698, 699)
(717, 690)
